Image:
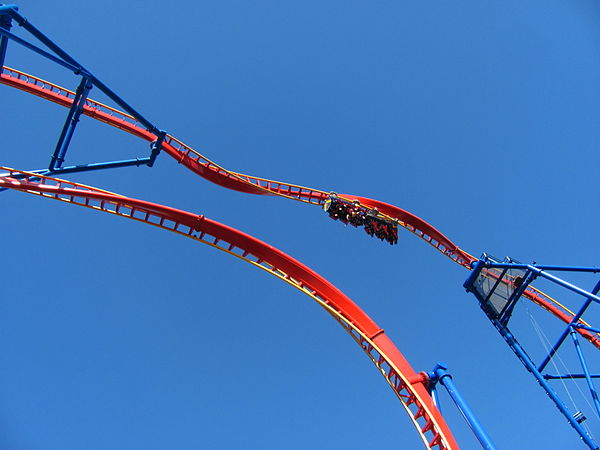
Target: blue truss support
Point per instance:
(501, 326)
(70, 123)
(66, 61)
(22, 21)
(568, 329)
(440, 374)
(528, 363)
(89, 79)
(586, 371)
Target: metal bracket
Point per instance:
(156, 147)
(440, 374)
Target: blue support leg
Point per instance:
(440, 374)
(70, 123)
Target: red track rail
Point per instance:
(245, 183)
(207, 169)
(409, 386)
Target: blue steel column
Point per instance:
(5, 23)
(441, 375)
(586, 371)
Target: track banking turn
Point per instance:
(214, 173)
(410, 387)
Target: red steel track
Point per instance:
(207, 169)
(410, 387)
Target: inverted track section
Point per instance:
(409, 386)
(211, 171)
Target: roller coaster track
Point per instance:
(410, 387)
(211, 171)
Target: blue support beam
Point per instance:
(7, 9)
(39, 51)
(23, 22)
(99, 166)
(86, 168)
(571, 287)
(585, 327)
(89, 167)
(573, 376)
(510, 265)
(440, 375)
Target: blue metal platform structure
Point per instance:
(498, 286)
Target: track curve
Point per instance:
(211, 171)
(410, 387)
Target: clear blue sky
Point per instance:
(480, 117)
